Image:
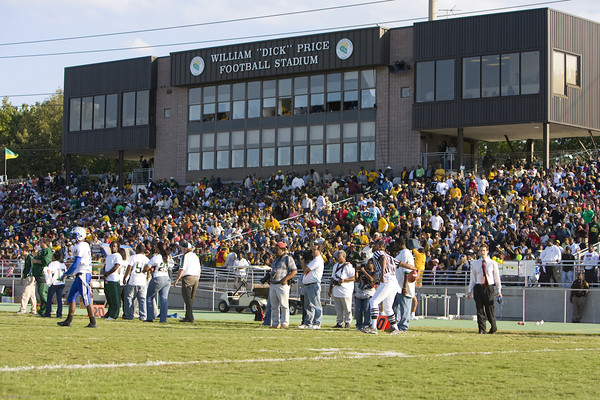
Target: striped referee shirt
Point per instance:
(390, 262)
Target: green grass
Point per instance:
(231, 360)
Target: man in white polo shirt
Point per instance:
(189, 273)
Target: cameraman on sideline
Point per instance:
(311, 281)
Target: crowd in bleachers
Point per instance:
(516, 208)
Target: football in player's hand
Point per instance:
(412, 276)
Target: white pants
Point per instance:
(28, 295)
(279, 295)
(385, 295)
(343, 309)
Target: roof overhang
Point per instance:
(496, 133)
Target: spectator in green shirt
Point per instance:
(587, 214)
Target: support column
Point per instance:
(460, 143)
(68, 169)
(121, 180)
(546, 142)
(530, 148)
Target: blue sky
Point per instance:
(48, 19)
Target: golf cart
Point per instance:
(241, 298)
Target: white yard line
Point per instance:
(346, 355)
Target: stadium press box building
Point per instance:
(338, 101)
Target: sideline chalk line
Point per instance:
(348, 355)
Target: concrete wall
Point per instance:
(546, 304)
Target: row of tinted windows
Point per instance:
(492, 75)
(301, 145)
(350, 90)
(101, 112)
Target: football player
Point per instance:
(81, 268)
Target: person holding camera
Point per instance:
(341, 287)
(484, 276)
(367, 283)
(283, 270)
(311, 288)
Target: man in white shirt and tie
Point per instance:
(484, 277)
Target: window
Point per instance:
(99, 111)
(209, 109)
(367, 84)
(128, 109)
(193, 143)
(435, 81)
(572, 69)
(223, 141)
(167, 113)
(444, 80)
(253, 138)
(75, 115)
(269, 102)
(268, 157)
(208, 141)
(490, 76)
(87, 113)
(239, 101)
(350, 152)
(501, 75)
(565, 72)
(223, 159)
(224, 105)
(558, 73)
(316, 154)
(194, 152)
(301, 95)
(136, 108)
(253, 158)
(471, 77)
(142, 110)
(317, 97)
(237, 159)
(112, 108)
(300, 155)
(405, 92)
(208, 160)
(283, 156)
(334, 94)
(509, 78)
(333, 153)
(284, 102)
(367, 141)
(193, 161)
(425, 81)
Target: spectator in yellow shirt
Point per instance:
(455, 193)
(272, 224)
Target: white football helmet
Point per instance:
(78, 234)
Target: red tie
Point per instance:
(484, 279)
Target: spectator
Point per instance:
(341, 288)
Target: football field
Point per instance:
(229, 356)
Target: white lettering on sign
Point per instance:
(231, 56)
(274, 51)
(243, 67)
(315, 46)
(275, 57)
(296, 61)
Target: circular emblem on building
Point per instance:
(197, 66)
(344, 49)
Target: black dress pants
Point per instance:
(484, 302)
